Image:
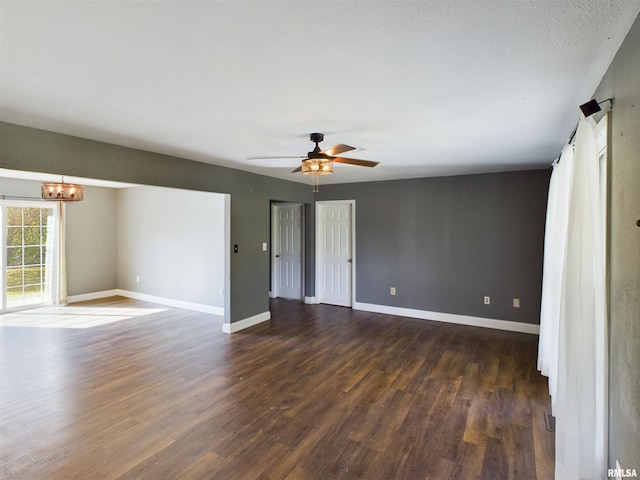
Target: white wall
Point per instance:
(173, 241)
(20, 188)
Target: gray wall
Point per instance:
(173, 241)
(23, 148)
(446, 242)
(622, 82)
(91, 242)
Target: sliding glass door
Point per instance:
(27, 231)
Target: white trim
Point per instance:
(83, 297)
(3, 257)
(227, 258)
(311, 300)
(272, 245)
(450, 318)
(604, 128)
(170, 302)
(246, 322)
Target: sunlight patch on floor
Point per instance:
(68, 316)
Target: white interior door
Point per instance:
(334, 268)
(287, 251)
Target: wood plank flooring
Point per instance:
(319, 392)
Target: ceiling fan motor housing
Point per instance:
(317, 137)
(317, 153)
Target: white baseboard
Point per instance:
(246, 322)
(311, 300)
(197, 307)
(450, 318)
(84, 297)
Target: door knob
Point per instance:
(277, 255)
(350, 260)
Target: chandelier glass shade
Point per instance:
(317, 166)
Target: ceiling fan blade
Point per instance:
(299, 169)
(338, 149)
(274, 158)
(355, 161)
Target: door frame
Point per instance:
(274, 238)
(319, 231)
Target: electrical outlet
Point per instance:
(487, 300)
(392, 290)
(137, 279)
(516, 303)
(264, 246)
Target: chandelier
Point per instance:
(62, 192)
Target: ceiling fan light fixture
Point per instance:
(320, 162)
(317, 166)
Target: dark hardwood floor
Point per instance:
(320, 392)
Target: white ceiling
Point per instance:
(424, 87)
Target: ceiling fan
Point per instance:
(320, 162)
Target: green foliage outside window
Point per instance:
(26, 237)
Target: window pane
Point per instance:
(14, 236)
(32, 275)
(33, 295)
(14, 276)
(14, 256)
(32, 256)
(33, 290)
(32, 216)
(14, 216)
(14, 296)
(32, 235)
(43, 235)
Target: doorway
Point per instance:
(287, 254)
(335, 252)
(27, 255)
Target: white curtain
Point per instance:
(572, 350)
(59, 280)
(554, 255)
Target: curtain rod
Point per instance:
(588, 109)
(16, 197)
